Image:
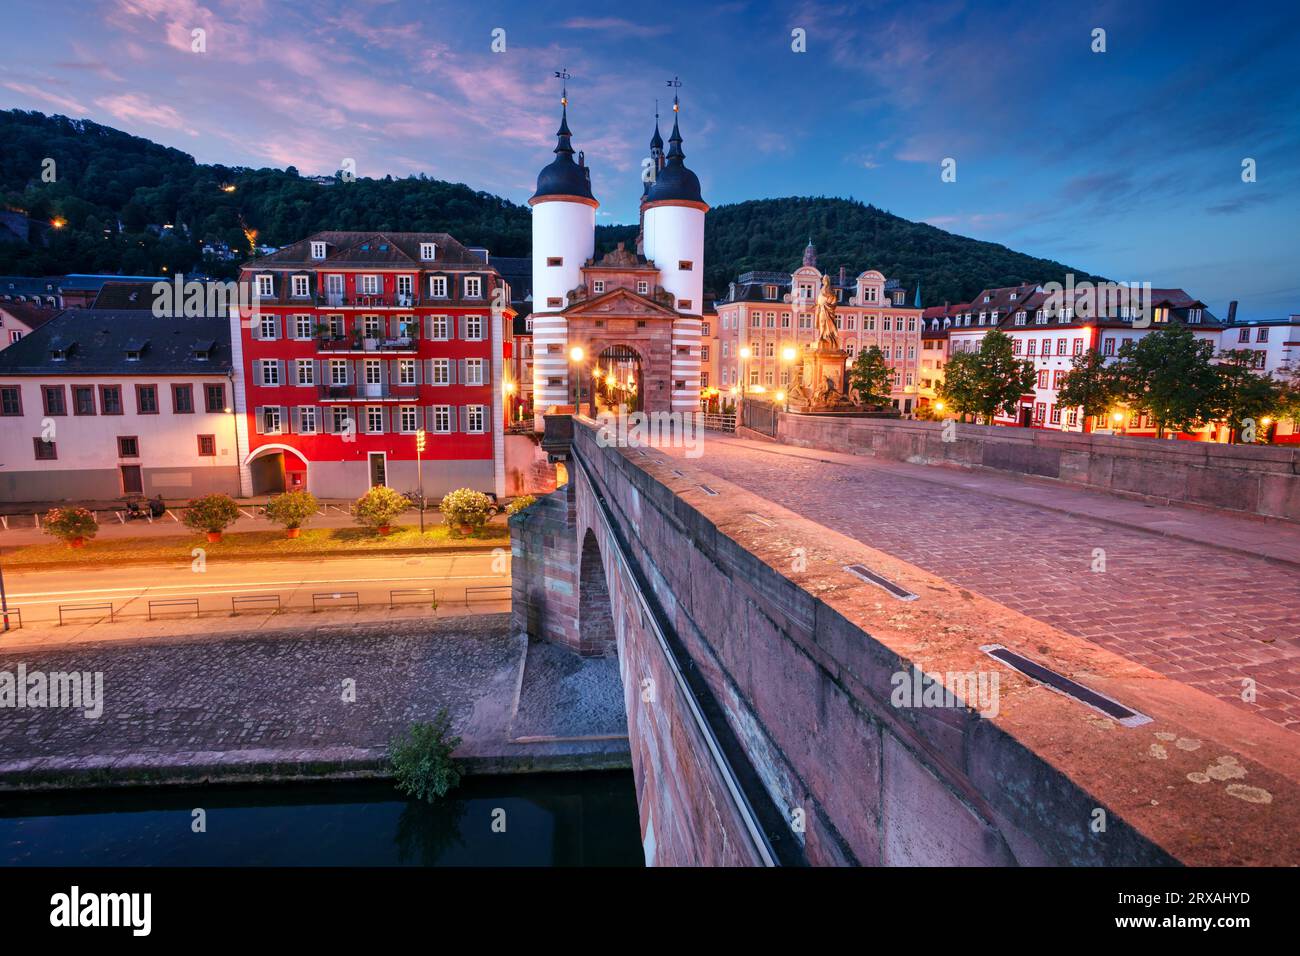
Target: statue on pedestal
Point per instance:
(828, 333)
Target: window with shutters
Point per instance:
(374, 374)
(370, 285)
(473, 371)
(474, 327)
(302, 326)
(338, 372)
(306, 372)
(440, 326)
(270, 372)
(266, 327)
(475, 416)
(370, 326)
(374, 419)
(406, 372)
(441, 371)
(442, 419)
(271, 420)
(307, 420)
(341, 420)
(407, 416)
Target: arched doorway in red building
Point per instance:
(276, 468)
(617, 379)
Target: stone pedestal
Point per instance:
(823, 382)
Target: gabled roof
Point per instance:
(28, 313)
(99, 340)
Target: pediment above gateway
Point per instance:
(620, 302)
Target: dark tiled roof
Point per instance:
(379, 249)
(564, 177)
(100, 339)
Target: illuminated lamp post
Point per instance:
(576, 355)
(745, 353)
(419, 471)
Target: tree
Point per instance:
(870, 377)
(1090, 384)
(1244, 397)
(989, 381)
(1168, 375)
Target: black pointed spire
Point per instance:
(564, 177)
(675, 181)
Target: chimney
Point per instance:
(1232, 311)
(842, 277)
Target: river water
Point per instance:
(580, 819)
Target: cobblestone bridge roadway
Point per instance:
(1195, 612)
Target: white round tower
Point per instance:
(673, 233)
(564, 238)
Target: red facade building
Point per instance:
(357, 341)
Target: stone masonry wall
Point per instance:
(1259, 479)
(802, 662)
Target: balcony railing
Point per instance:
(362, 391)
(408, 343)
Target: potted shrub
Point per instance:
(291, 509)
(71, 525)
(211, 513)
(378, 507)
(466, 509)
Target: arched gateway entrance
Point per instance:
(275, 469)
(617, 379)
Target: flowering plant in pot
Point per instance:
(466, 509)
(378, 507)
(291, 509)
(211, 513)
(71, 525)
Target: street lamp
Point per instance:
(745, 353)
(787, 356)
(576, 355)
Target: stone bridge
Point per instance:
(785, 710)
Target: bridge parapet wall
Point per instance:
(1258, 479)
(798, 662)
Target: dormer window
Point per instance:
(643, 287)
(133, 355)
(598, 286)
(300, 287)
(265, 286)
(318, 250)
(473, 287)
(438, 287)
(428, 251)
(986, 298)
(769, 293)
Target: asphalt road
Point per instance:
(456, 579)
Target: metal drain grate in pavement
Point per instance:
(1063, 685)
(871, 577)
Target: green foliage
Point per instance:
(870, 377)
(106, 176)
(421, 759)
(69, 523)
(520, 503)
(211, 513)
(1090, 384)
(465, 506)
(1244, 396)
(987, 382)
(292, 508)
(1168, 375)
(379, 506)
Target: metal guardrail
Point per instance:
(71, 608)
(15, 612)
(394, 594)
(253, 601)
(190, 604)
(720, 423)
(486, 592)
(332, 599)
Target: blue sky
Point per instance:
(1126, 163)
